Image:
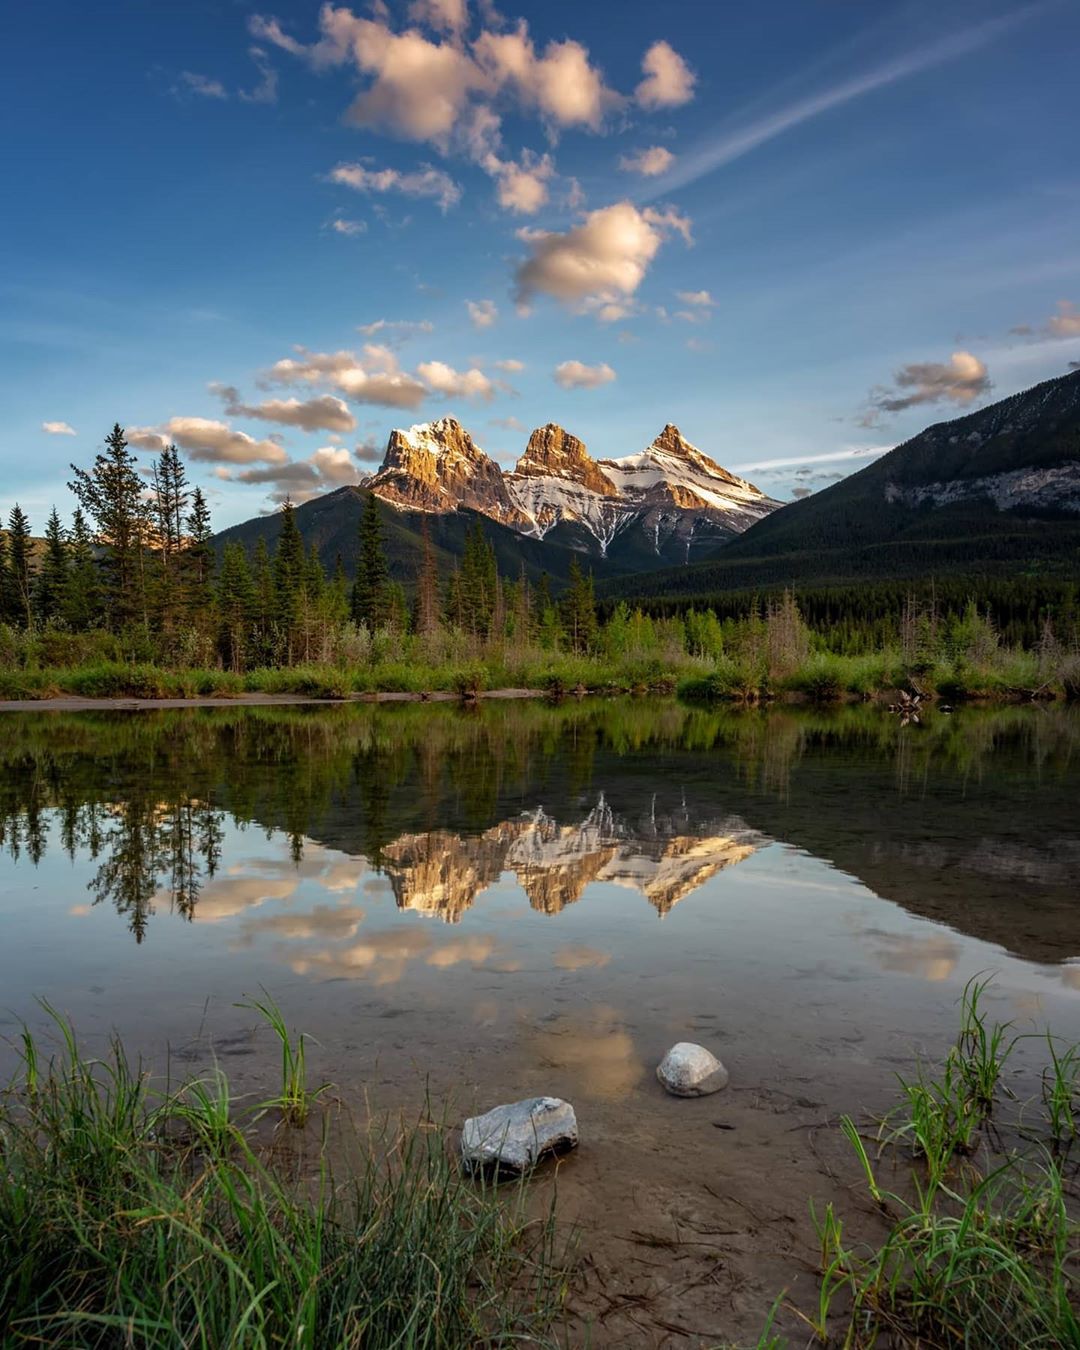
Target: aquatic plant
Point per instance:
(295, 1099)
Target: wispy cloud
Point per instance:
(739, 140)
(832, 457)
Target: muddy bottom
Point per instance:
(471, 908)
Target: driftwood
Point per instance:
(907, 706)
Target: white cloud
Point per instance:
(483, 313)
(521, 187)
(734, 143)
(1066, 322)
(831, 457)
(322, 413)
(428, 89)
(510, 365)
(266, 91)
(423, 182)
(418, 89)
(562, 84)
(599, 264)
(205, 438)
(649, 162)
(668, 81)
(341, 225)
(507, 423)
(404, 327)
(701, 299)
(368, 452)
(446, 16)
(202, 85)
(444, 379)
(59, 429)
(373, 377)
(961, 380)
(300, 480)
(577, 375)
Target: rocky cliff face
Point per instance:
(670, 497)
(437, 466)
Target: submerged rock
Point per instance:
(689, 1070)
(515, 1137)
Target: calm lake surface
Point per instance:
(518, 899)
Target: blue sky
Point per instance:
(801, 230)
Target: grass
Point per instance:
(296, 1099)
(130, 1216)
(982, 1246)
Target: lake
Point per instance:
(489, 903)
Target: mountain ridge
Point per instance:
(994, 491)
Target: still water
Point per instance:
(487, 904)
(569, 887)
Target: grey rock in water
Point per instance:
(515, 1137)
(689, 1070)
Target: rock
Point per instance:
(689, 1070)
(515, 1137)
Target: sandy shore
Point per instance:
(71, 703)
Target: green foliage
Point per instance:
(369, 597)
(133, 1215)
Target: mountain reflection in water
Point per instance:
(970, 820)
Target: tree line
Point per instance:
(138, 563)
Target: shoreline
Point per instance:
(121, 703)
(882, 698)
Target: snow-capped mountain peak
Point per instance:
(670, 499)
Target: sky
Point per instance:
(801, 230)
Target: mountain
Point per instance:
(994, 492)
(668, 504)
(663, 505)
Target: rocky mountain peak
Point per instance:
(437, 466)
(673, 444)
(555, 453)
(669, 499)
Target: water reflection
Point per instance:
(970, 820)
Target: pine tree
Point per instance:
(478, 582)
(7, 592)
(427, 586)
(236, 604)
(337, 596)
(264, 638)
(19, 570)
(370, 597)
(81, 605)
(169, 508)
(579, 609)
(52, 578)
(111, 494)
(289, 567)
(198, 554)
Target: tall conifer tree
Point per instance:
(53, 574)
(19, 568)
(111, 494)
(369, 597)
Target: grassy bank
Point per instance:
(132, 1216)
(821, 677)
(769, 654)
